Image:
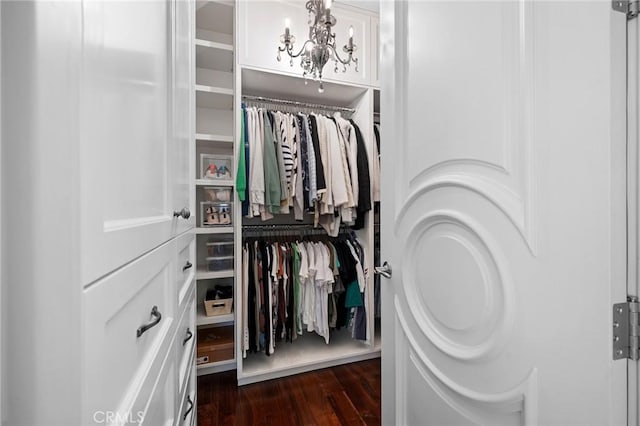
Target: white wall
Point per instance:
(373, 6)
(42, 335)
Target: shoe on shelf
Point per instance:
(225, 217)
(223, 172)
(212, 216)
(211, 172)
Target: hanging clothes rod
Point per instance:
(302, 229)
(307, 105)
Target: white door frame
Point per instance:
(391, 69)
(631, 87)
(2, 310)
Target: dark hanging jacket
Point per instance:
(320, 183)
(364, 179)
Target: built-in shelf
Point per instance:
(214, 90)
(308, 352)
(213, 138)
(203, 274)
(214, 55)
(214, 97)
(215, 364)
(216, 230)
(215, 16)
(202, 3)
(216, 367)
(293, 88)
(214, 78)
(214, 182)
(202, 319)
(216, 45)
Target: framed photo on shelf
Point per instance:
(216, 167)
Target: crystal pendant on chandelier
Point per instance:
(321, 45)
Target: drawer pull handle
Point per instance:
(184, 213)
(186, 413)
(157, 316)
(189, 336)
(187, 265)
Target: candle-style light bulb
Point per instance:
(327, 4)
(351, 31)
(287, 33)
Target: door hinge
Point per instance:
(628, 7)
(626, 329)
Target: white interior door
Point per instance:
(503, 212)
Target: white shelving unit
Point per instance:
(215, 100)
(221, 77)
(310, 352)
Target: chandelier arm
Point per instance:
(289, 50)
(339, 59)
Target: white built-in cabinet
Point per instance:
(97, 135)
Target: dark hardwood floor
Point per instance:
(345, 395)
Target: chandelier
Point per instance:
(321, 45)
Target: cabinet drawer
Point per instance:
(186, 266)
(187, 414)
(116, 358)
(215, 344)
(159, 409)
(186, 340)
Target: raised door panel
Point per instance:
(259, 41)
(361, 23)
(122, 334)
(128, 157)
(485, 82)
(502, 201)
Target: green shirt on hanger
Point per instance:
(241, 176)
